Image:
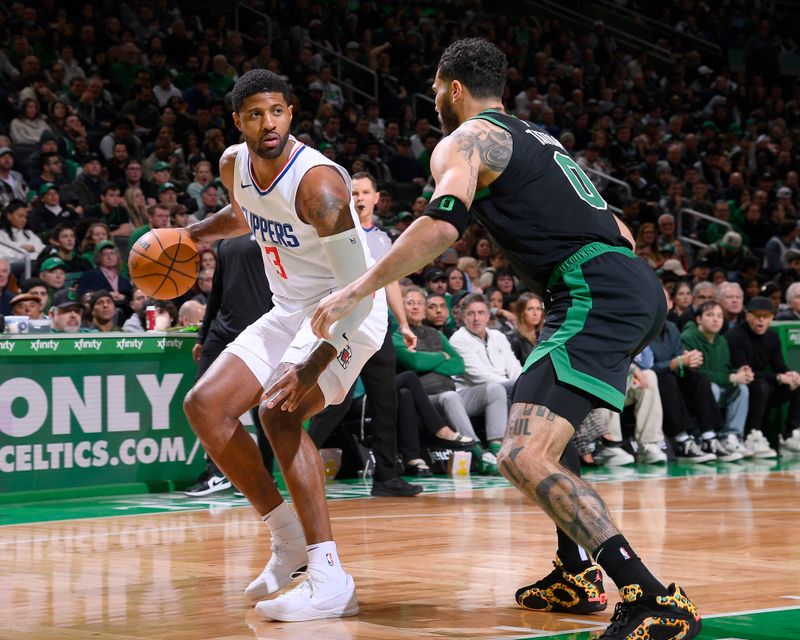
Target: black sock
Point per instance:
(573, 557)
(624, 567)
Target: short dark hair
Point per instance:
(257, 81)
(708, 304)
(478, 64)
(475, 297)
(364, 175)
(109, 186)
(60, 227)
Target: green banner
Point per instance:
(93, 410)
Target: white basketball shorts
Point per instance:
(285, 336)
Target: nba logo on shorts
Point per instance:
(329, 558)
(624, 553)
(345, 356)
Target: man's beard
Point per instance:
(267, 153)
(448, 118)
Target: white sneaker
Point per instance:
(758, 444)
(288, 557)
(320, 596)
(612, 456)
(652, 453)
(791, 445)
(732, 443)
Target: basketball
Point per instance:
(164, 263)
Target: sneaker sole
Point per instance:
(306, 614)
(698, 460)
(765, 454)
(205, 492)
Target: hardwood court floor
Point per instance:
(442, 565)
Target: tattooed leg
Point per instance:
(535, 440)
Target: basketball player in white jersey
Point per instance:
(297, 203)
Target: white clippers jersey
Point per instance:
(295, 263)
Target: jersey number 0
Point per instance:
(580, 182)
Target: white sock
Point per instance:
(324, 557)
(708, 435)
(282, 518)
(682, 437)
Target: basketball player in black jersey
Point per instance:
(603, 306)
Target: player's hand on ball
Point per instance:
(330, 309)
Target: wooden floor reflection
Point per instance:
(437, 566)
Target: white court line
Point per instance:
(403, 516)
(509, 487)
(540, 633)
(577, 621)
(791, 597)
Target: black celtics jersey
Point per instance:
(543, 207)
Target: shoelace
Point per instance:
(312, 577)
(693, 448)
(622, 616)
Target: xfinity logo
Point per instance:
(7, 345)
(80, 345)
(169, 343)
(49, 345)
(128, 343)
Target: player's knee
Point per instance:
(201, 409)
(275, 420)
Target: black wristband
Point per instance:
(450, 209)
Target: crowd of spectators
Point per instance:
(113, 119)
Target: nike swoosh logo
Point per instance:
(244, 186)
(344, 335)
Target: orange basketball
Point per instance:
(164, 263)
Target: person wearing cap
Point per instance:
(62, 246)
(167, 194)
(753, 344)
(166, 163)
(37, 287)
(26, 304)
(785, 197)
(103, 311)
(86, 188)
(66, 313)
(209, 200)
(161, 172)
(54, 273)
(106, 276)
(727, 253)
(50, 210)
(12, 184)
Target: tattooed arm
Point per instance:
(470, 157)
